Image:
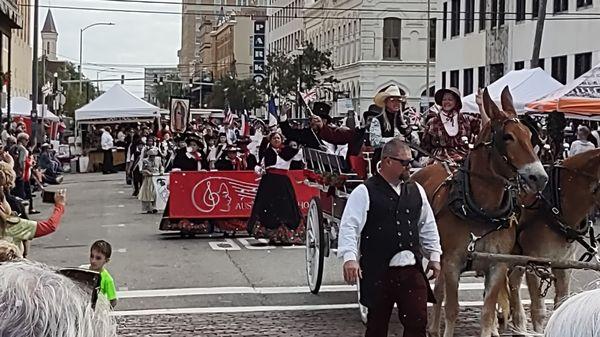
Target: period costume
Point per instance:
(152, 165)
(396, 226)
(229, 162)
(447, 135)
(275, 213)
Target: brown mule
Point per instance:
(579, 190)
(502, 153)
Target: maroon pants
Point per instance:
(407, 288)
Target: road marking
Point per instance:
(252, 290)
(121, 192)
(121, 206)
(117, 225)
(122, 250)
(243, 309)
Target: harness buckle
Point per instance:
(471, 246)
(555, 211)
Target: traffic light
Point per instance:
(122, 79)
(155, 80)
(191, 84)
(160, 81)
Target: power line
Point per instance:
(345, 9)
(194, 13)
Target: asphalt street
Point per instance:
(210, 286)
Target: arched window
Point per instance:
(392, 33)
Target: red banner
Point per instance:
(224, 194)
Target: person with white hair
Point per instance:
(578, 316)
(37, 301)
(582, 144)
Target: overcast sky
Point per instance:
(135, 39)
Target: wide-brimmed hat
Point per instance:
(454, 91)
(387, 92)
(232, 148)
(244, 140)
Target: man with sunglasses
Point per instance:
(396, 227)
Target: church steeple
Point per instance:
(49, 37)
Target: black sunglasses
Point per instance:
(404, 162)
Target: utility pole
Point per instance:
(539, 31)
(34, 72)
(428, 53)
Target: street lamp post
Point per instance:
(81, 46)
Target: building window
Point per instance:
(501, 12)
(583, 63)
(519, 65)
(392, 28)
(583, 3)
(496, 71)
(520, 10)
(494, 18)
(542, 63)
(468, 81)
(454, 78)
(432, 30)
(469, 16)
(443, 80)
(445, 21)
(535, 9)
(561, 6)
(482, 4)
(481, 77)
(559, 68)
(455, 18)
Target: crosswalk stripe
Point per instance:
(254, 290)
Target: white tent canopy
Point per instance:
(526, 85)
(21, 106)
(116, 103)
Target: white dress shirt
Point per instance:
(580, 146)
(354, 219)
(106, 141)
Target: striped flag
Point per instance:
(273, 113)
(228, 120)
(309, 96)
(245, 124)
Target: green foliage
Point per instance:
(238, 94)
(74, 98)
(284, 70)
(171, 87)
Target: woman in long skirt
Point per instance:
(151, 166)
(275, 213)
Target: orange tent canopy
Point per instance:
(580, 98)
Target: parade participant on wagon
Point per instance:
(246, 155)
(151, 166)
(306, 136)
(230, 161)
(391, 122)
(395, 224)
(191, 157)
(275, 214)
(217, 151)
(448, 134)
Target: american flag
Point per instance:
(228, 120)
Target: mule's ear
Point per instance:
(490, 107)
(507, 103)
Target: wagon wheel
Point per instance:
(315, 245)
(362, 309)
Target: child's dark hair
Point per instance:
(102, 247)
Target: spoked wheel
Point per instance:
(363, 310)
(315, 245)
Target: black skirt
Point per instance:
(275, 203)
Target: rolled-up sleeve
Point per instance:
(428, 232)
(352, 223)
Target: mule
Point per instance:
(502, 159)
(539, 233)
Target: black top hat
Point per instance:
(321, 109)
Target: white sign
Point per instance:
(161, 188)
(343, 105)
